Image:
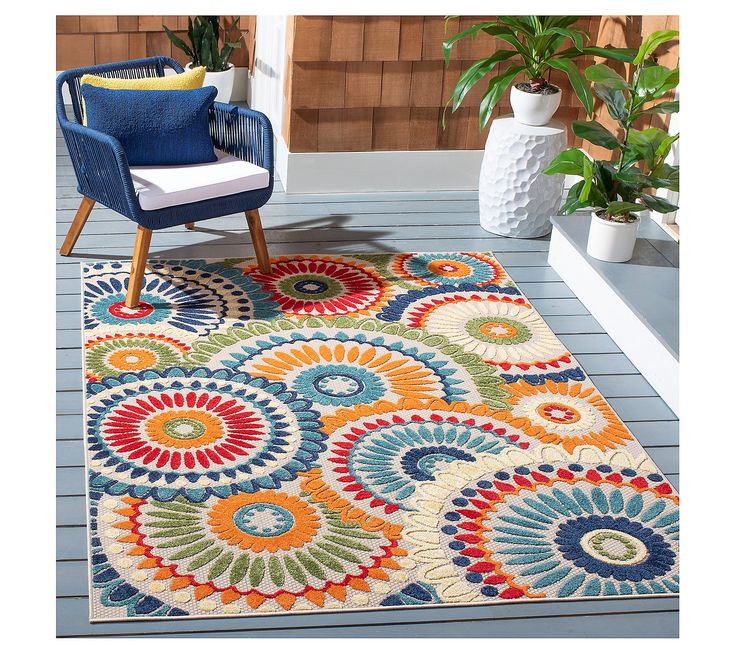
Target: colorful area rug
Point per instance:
(352, 433)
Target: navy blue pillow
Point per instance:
(155, 128)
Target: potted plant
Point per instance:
(618, 190)
(205, 33)
(536, 47)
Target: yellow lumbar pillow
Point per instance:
(192, 79)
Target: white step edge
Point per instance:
(655, 362)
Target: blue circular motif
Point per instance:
(252, 423)
(192, 296)
(263, 519)
(311, 286)
(629, 540)
(562, 536)
(420, 463)
(339, 385)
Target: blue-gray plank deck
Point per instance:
(351, 223)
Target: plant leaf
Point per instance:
(654, 81)
(569, 162)
(615, 101)
(496, 88)
(617, 208)
(572, 201)
(472, 31)
(596, 134)
(579, 85)
(475, 73)
(655, 203)
(605, 75)
(575, 36)
(671, 107)
(617, 54)
(652, 42)
(179, 43)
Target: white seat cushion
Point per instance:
(167, 186)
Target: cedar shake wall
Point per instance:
(358, 83)
(88, 40)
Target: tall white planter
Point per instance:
(222, 80)
(515, 198)
(611, 241)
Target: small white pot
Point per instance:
(611, 241)
(222, 81)
(534, 108)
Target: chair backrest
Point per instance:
(134, 69)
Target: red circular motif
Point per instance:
(119, 310)
(138, 430)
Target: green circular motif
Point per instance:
(184, 429)
(310, 287)
(484, 327)
(97, 357)
(630, 550)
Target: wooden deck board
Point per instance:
(350, 224)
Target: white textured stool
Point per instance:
(516, 199)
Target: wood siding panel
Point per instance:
(363, 84)
(111, 47)
(426, 84)
(311, 38)
(96, 24)
(67, 24)
(338, 128)
(316, 85)
(391, 128)
(74, 50)
(410, 38)
(158, 44)
(347, 38)
(381, 36)
(396, 84)
(128, 24)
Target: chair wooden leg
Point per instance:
(189, 225)
(259, 240)
(85, 207)
(138, 267)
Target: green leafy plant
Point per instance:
(204, 34)
(618, 189)
(536, 47)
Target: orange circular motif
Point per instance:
(449, 268)
(132, 359)
(497, 329)
(184, 428)
(264, 520)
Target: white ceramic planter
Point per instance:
(534, 108)
(611, 241)
(222, 81)
(515, 198)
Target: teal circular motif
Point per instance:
(263, 519)
(339, 385)
(184, 429)
(498, 330)
(439, 268)
(310, 287)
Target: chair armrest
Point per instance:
(243, 133)
(101, 167)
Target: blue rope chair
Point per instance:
(103, 174)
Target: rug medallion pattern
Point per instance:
(350, 433)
